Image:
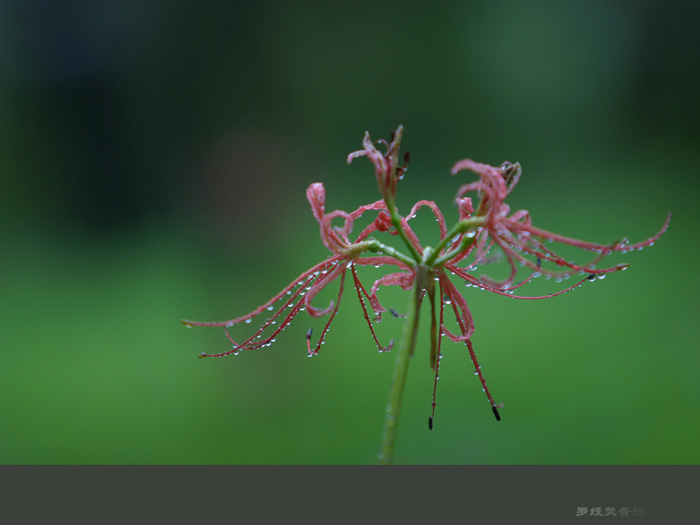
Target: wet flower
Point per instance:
(485, 233)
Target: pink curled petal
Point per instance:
(411, 236)
(374, 155)
(402, 279)
(459, 305)
(469, 164)
(354, 215)
(370, 228)
(490, 176)
(335, 232)
(533, 230)
(355, 154)
(377, 205)
(317, 287)
(329, 237)
(436, 211)
(522, 216)
(489, 194)
(453, 337)
(465, 207)
(316, 195)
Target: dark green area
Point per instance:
(153, 163)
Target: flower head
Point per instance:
(486, 230)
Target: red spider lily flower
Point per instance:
(481, 234)
(297, 296)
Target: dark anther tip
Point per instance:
(430, 422)
(308, 334)
(495, 413)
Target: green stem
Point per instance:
(457, 229)
(406, 349)
(396, 222)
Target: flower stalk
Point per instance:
(405, 352)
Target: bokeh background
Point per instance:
(153, 161)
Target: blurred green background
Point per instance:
(154, 159)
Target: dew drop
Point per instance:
(270, 307)
(248, 321)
